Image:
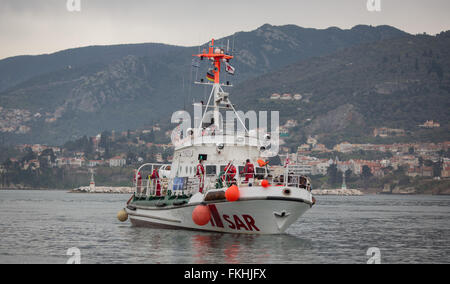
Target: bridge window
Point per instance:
(260, 172)
(211, 170)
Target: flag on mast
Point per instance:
(230, 69)
(195, 63)
(210, 76)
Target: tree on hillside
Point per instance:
(104, 139)
(8, 164)
(148, 137)
(108, 152)
(88, 146)
(334, 176)
(167, 153)
(29, 155)
(348, 174)
(131, 158)
(437, 168)
(366, 174)
(436, 68)
(46, 158)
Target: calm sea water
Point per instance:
(39, 227)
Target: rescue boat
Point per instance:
(218, 181)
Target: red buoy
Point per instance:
(265, 183)
(232, 193)
(201, 215)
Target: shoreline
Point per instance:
(31, 188)
(103, 189)
(76, 190)
(338, 192)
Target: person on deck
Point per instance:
(302, 182)
(249, 171)
(201, 175)
(230, 172)
(155, 178)
(138, 181)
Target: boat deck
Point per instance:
(161, 201)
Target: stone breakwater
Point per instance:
(347, 192)
(103, 189)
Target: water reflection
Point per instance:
(235, 248)
(178, 246)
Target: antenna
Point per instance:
(184, 102)
(190, 83)
(232, 50)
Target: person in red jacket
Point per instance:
(230, 172)
(201, 175)
(138, 181)
(249, 170)
(155, 178)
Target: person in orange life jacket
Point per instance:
(249, 170)
(138, 180)
(230, 172)
(155, 176)
(201, 175)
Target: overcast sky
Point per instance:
(45, 26)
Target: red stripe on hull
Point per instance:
(215, 215)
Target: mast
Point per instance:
(218, 56)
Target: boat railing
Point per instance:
(293, 180)
(143, 190)
(198, 184)
(191, 185)
(156, 185)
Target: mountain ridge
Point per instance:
(398, 83)
(103, 53)
(120, 91)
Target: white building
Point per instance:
(117, 161)
(95, 163)
(275, 96)
(286, 97)
(297, 97)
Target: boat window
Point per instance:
(260, 172)
(187, 169)
(211, 170)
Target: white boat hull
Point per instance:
(265, 213)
